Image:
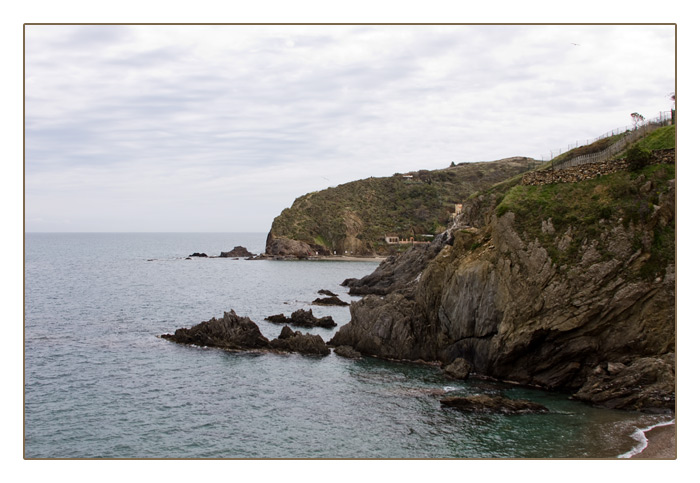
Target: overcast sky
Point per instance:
(219, 128)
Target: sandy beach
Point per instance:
(344, 258)
(662, 443)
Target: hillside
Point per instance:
(354, 218)
(568, 286)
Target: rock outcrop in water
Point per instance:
(329, 301)
(291, 341)
(568, 287)
(303, 318)
(229, 332)
(237, 252)
(233, 332)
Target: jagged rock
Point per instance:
(303, 318)
(515, 313)
(237, 252)
(646, 384)
(237, 333)
(286, 333)
(329, 301)
(615, 367)
(458, 369)
(289, 341)
(327, 292)
(229, 332)
(483, 403)
(386, 327)
(348, 352)
(397, 272)
(278, 319)
(197, 254)
(286, 248)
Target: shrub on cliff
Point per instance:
(637, 157)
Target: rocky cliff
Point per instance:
(563, 286)
(354, 218)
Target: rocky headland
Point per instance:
(355, 218)
(565, 286)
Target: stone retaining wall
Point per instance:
(591, 170)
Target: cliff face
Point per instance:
(355, 217)
(568, 287)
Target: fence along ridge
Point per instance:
(615, 148)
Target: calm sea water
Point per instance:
(99, 383)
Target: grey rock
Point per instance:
(458, 369)
(329, 301)
(289, 341)
(348, 352)
(303, 318)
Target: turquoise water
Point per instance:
(99, 383)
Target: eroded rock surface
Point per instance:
(233, 332)
(549, 307)
(291, 341)
(237, 252)
(229, 332)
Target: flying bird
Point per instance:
(577, 45)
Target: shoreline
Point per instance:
(657, 442)
(344, 258)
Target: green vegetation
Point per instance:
(594, 147)
(662, 138)
(584, 208)
(637, 157)
(372, 208)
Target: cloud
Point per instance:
(196, 120)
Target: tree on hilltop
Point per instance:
(637, 119)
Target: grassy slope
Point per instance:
(662, 138)
(580, 207)
(392, 205)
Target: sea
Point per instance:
(99, 382)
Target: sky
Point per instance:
(84, 152)
(200, 128)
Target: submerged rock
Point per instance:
(303, 318)
(197, 254)
(329, 301)
(327, 292)
(483, 403)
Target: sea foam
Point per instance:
(639, 435)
